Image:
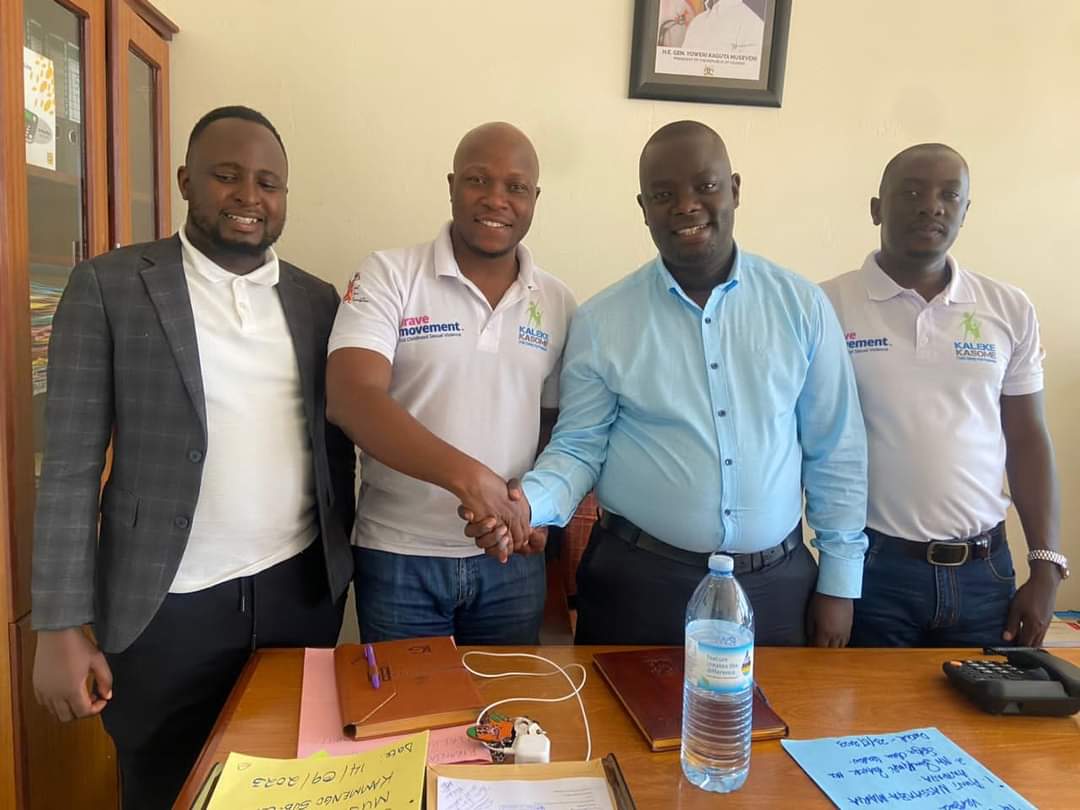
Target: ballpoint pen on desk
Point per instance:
(373, 667)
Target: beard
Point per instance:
(210, 228)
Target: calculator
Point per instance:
(1029, 681)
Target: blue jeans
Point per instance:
(907, 602)
(477, 600)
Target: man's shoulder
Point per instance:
(994, 292)
(131, 258)
(631, 289)
(403, 262)
(552, 285)
(307, 280)
(772, 277)
(839, 287)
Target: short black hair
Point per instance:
(233, 111)
(919, 147)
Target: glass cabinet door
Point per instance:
(139, 74)
(61, 214)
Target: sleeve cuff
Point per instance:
(840, 577)
(543, 513)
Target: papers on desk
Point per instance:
(320, 721)
(921, 768)
(389, 777)
(582, 793)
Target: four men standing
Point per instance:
(704, 396)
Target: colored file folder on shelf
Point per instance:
(422, 684)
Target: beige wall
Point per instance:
(372, 97)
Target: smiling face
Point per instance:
(235, 186)
(493, 190)
(923, 202)
(689, 196)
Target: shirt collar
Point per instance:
(266, 275)
(881, 287)
(446, 264)
(672, 286)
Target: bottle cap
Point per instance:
(721, 564)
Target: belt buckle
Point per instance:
(933, 545)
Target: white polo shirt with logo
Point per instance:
(473, 376)
(931, 376)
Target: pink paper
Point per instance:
(320, 721)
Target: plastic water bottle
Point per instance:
(719, 687)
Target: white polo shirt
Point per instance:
(931, 376)
(473, 376)
(256, 503)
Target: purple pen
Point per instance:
(373, 667)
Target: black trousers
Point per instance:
(626, 595)
(171, 683)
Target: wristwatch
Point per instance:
(1055, 557)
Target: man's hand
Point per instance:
(828, 621)
(487, 495)
(1032, 606)
(63, 662)
(495, 537)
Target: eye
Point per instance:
(660, 196)
(475, 180)
(951, 195)
(268, 186)
(708, 187)
(225, 178)
(519, 188)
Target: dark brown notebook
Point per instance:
(649, 684)
(423, 684)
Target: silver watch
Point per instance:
(1055, 557)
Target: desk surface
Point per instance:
(820, 693)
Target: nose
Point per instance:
(686, 201)
(931, 205)
(495, 196)
(246, 190)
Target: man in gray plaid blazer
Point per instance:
(224, 522)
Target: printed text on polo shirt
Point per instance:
(420, 327)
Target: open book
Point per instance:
(422, 684)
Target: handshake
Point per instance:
(497, 516)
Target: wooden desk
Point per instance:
(820, 693)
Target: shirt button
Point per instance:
(728, 462)
(708, 320)
(181, 522)
(721, 413)
(714, 365)
(727, 511)
(194, 456)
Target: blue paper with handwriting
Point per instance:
(916, 769)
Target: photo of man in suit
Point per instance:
(223, 526)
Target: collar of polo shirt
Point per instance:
(446, 264)
(881, 287)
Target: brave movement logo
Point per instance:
(420, 327)
(858, 345)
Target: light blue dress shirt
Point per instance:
(703, 426)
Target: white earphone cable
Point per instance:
(575, 689)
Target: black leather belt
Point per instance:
(950, 553)
(626, 531)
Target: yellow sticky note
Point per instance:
(389, 778)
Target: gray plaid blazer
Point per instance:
(124, 365)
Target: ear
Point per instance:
(875, 210)
(537, 197)
(736, 185)
(963, 217)
(450, 183)
(641, 205)
(182, 181)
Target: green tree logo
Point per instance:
(971, 327)
(535, 315)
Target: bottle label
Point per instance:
(719, 668)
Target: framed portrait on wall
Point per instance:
(716, 51)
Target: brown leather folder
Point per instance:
(423, 685)
(649, 684)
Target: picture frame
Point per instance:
(712, 51)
